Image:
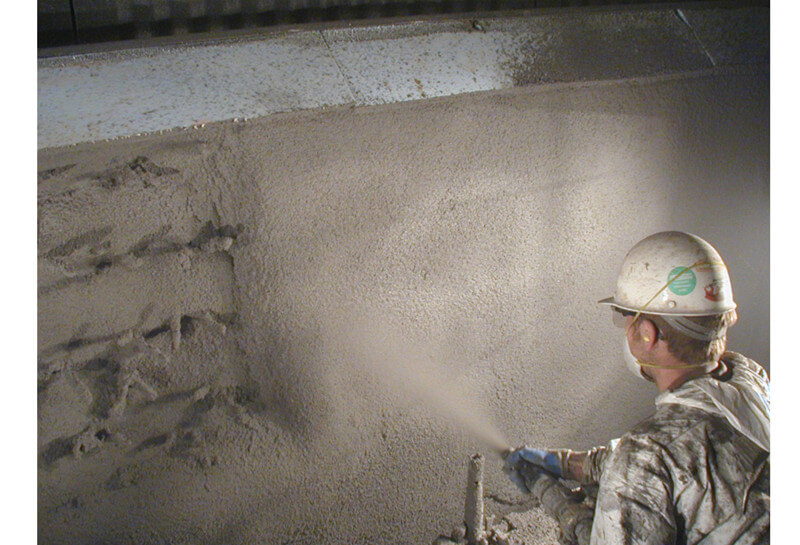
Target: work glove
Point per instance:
(524, 465)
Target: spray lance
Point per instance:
(404, 366)
(568, 507)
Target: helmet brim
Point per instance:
(610, 301)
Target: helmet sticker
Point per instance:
(712, 291)
(682, 281)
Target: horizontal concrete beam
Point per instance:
(95, 96)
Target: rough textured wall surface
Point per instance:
(219, 308)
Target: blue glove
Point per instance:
(525, 464)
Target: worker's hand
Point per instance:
(524, 465)
(548, 460)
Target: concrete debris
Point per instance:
(126, 381)
(130, 262)
(123, 477)
(498, 537)
(125, 338)
(86, 256)
(221, 244)
(47, 370)
(140, 169)
(459, 533)
(200, 393)
(531, 526)
(89, 440)
(491, 536)
(175, 329)
(215, 239)
(217, 326)
(184, 257)
(45, 175)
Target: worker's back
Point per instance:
(689, 475)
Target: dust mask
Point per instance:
(630, 360)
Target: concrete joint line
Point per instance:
(339, 67)
(685, 21)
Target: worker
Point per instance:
(696, 471)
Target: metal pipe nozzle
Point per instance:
(473, 509)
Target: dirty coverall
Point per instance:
(696, 472)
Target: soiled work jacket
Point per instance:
(696, 472)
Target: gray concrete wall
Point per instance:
(208, 385)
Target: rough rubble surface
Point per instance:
(525, 525)
(199, 376)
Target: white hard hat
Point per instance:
(673, 274)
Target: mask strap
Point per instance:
(687, 366)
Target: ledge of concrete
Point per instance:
(98, 96)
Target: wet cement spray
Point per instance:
(414, 371)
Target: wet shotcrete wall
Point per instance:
(197, 290)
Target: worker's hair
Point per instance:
(693, 351)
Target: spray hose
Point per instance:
(568, 507)
(573, 510)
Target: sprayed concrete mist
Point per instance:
(413, 372)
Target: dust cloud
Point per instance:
(414, 370)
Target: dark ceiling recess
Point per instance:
(75, 22)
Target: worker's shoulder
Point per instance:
(669, 428)
(745, 364)
(645, 449)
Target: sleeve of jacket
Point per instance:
(594, 462)
(634, 502)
